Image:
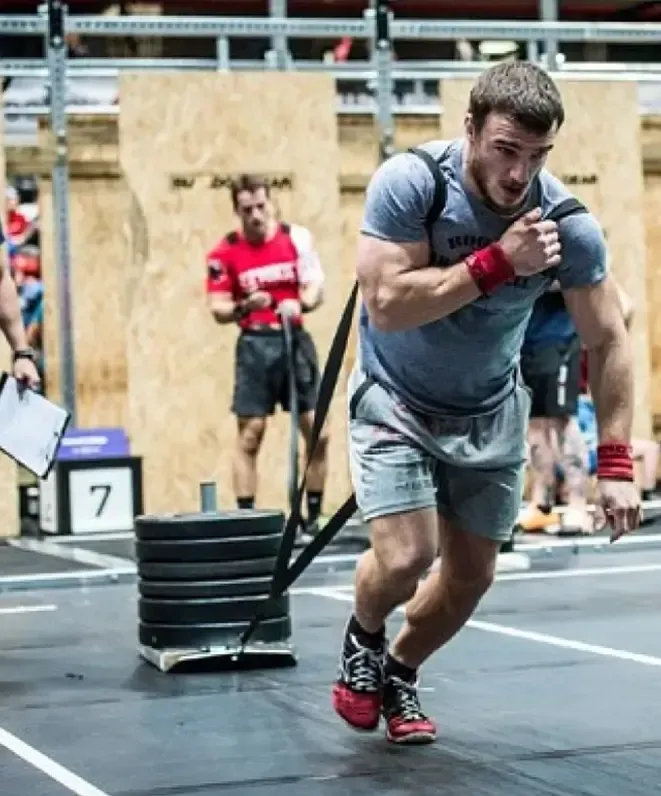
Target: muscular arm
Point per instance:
(626, 304)
(594, 304)
(222, 307)
(310, 272)
(311, 296)
(599, 320)
(399, 288)
(220, 293)
(401, 292)
(11, 321)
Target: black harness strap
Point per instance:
(294, 413)
(568, 207)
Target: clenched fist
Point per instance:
(532, 245)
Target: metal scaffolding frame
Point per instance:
(57, 57)
(289, 28)
(378, 26)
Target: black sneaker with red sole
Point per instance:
(405, 721)
(357, 693)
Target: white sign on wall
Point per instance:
(101, 499)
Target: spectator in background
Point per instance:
(551, 368)
(255, 275)
(27, 276)
(20, 229)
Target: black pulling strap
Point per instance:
(284, 575)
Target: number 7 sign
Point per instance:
(101, 499)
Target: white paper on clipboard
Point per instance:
(31, 426)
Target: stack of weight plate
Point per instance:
(203, 577)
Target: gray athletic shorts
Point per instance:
(471, 468)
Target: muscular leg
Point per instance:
(403, 547)
(542, 461)
(573, 457)
(395, 489)
(317, 472)
(249, 439)
(535, 516)
(316, 479)
(446, 599)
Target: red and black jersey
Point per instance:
(278, 266)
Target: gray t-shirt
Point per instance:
(466, 363)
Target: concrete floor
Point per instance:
(551, 690)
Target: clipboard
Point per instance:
(31, 427)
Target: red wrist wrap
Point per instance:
(490, 268)
(615, 462)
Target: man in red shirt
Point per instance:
(255, 275)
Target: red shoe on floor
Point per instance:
(357, 692)
(405, 721)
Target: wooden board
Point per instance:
(598, 153)
(653, 228)
(180, 363)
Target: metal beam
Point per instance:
(278, 10)
(350, 71)
(382, 56)
(203, 27)
(249, 27)
(637, 33)
(548, 12)
(23, 25)
(57, 56)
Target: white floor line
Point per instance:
(559, 574)
(28, 609)
(78, 555)
(527, 635)
(82, 575)
(585, 572)
(72, 782)
(104, 536)
(546, 542)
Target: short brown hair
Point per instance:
(521, 90)
(247, 182)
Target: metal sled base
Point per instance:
(253, 656)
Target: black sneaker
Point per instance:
(405, 721)
(357, 692)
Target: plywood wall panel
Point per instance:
(180, 363)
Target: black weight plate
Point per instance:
(209, 549)
(185, 636)
(193, 612)
(204, 589)
(219, 525)
(206, 570)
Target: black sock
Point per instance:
(394, 668)
(245, 502)
(314, 505)
(371, 640)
